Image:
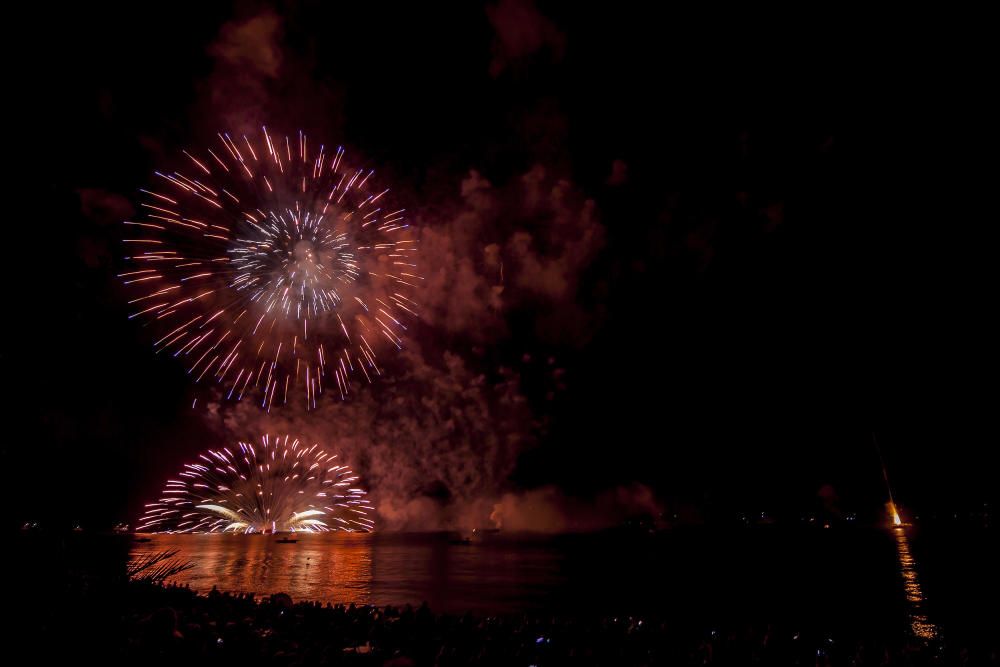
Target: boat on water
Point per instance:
(476, 536)
(286, 540)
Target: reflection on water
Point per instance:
(806, 575)
(919, 624)
(368, 568)
(337, 570)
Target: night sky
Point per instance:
(762, 287)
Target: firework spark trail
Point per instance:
(272, 486)
(264, 263)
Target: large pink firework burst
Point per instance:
(265, 264)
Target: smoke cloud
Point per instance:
(549, 510)
(438, 435)
(521, 247)
(521, 31)
(257, 79)
(248, 62)
(427, 439)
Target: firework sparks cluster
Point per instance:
(267, 264)
(276, 485)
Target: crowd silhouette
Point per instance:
(174, 625)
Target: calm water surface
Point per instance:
(866, 578)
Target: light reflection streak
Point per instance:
(920, 625)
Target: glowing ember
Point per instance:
(896, 521)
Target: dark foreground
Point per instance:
(148, 624)
(71, 602)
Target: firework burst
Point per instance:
(276, 485)
(267, 264)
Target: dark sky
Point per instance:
(771, 286)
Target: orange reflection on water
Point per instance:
(919, 624)
(332, 567)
